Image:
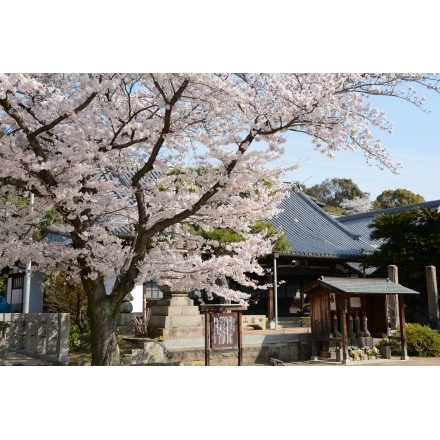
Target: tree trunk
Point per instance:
(103, 334)
(103, 312)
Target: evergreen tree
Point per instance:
(398, 197)
(411, 241)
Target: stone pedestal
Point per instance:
(385, 351)
(175, 317)
(3, 327)
(363, 341)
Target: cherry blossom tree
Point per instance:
(124, 168)
(357, 205)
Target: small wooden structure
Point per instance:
(351, 312)
(223, 329)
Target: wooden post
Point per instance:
(393, 301)
(433, 307)
(207, 338)
(270, 312)
(343, 308)
(144, 306)
(240, 338)
(403, 344)
(314, 345)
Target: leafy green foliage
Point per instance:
(397, 197)
(15, 198)
(335, 210)
(422, 340)
(78, 339)
(51, 217)
(281, 244)
(332, 192)
(3, 278)
(62, 294)
(411, 242)
(225, 236)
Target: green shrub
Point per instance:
(422, 341)
(78, 341)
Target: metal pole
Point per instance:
(275, 289)
(27, 278)
(27, 287)
(144, 304)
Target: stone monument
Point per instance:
(175, 317)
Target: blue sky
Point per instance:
(414, 142)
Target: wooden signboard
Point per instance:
(223, 329)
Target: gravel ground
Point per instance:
(18, 359)
(394, 362)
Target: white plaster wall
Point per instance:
(137, 293)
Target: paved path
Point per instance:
(18, 359)
(394, 362)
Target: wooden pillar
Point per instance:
(240, 339)
(315, 354)
(433, 307)
(144, 306)
(270, 311)
(392, 300)
(343, 307)
(207, 337)
(403, 344)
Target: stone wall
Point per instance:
(43, 335)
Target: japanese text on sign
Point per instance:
(224, 331)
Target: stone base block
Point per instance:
(125, 323)
(180, 321)
(364, 341)
(168, 300)
(174, 309)
(176, 332)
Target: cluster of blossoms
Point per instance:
(361, 353)
(385, 341)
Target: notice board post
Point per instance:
(223, 329)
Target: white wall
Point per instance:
(137, 293)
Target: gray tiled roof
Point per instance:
(358, 223)
(361, 286)
(312, 232)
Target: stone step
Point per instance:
(290, 322)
